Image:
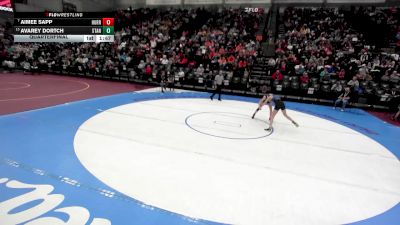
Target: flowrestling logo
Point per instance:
(48, 202)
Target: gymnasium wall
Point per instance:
(248, 2)
(297, 1)
(93, 5)
(233, 3)
(236, 3)
(163, 2)
(39, 6)
(203, 2)
(355, 1)
(57, 5)
(121, 4)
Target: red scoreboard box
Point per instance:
(108, 22)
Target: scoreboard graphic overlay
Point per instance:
(64, 27)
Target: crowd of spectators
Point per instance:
(322, 49)
(375, 21)
(156, 44)
(6, 41)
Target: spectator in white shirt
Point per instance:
(181, 73)
(354, 84)
(394, 77)
(218, 80)
(200, 70)
(164, 60)
(337, 87)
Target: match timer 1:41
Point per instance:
(108, 26)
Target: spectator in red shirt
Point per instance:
(277, 75)
(184, 61)
(239, 47)
(149, 70)
(242, 64)
(221, 51)
(283, 66)
(192, 64)
(209, 43)
(222, 61)
(305, 79)
(213, 54)
(231, 59)
(342, 74)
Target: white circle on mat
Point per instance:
(227, 125)
(320, 173)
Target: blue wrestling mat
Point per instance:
(42, 180)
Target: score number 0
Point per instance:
(108, 21)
